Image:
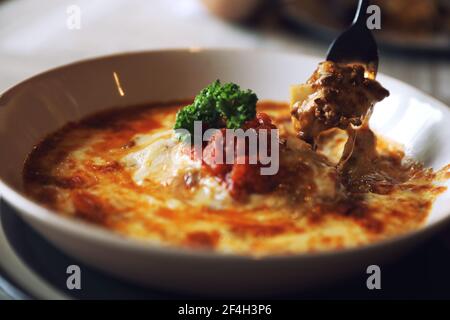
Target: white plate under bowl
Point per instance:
(44, 103)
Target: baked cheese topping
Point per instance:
(124, 170)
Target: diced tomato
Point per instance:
(241, 177)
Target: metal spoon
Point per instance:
(356, 44)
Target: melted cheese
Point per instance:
(124, 171)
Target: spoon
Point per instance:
(356, 44)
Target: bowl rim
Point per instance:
(19, 201)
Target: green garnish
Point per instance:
(218, 106)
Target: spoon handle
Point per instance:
(360, 16)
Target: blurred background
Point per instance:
(38, 35)
(414, 41)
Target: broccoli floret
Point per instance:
(235, 105)
(218, 105)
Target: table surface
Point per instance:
(34, 37)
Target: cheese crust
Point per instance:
(124, 170)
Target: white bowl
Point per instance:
(44, 103)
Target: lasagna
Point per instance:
(338, 185)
